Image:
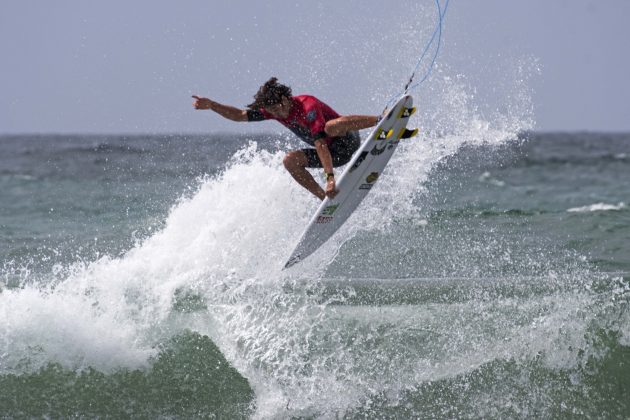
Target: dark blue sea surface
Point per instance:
(141, 277)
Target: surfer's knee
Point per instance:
(334, 128)
(293, 160)
(289, 160)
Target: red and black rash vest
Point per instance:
(307, 118)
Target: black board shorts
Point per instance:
(341, 150)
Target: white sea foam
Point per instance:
(111, 312)
(597, 207)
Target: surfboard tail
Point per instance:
(292, 261)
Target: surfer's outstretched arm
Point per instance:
(340, 126)
(226, 111)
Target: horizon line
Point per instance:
(269, 133)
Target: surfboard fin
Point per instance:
(407, 133)
(407, 112)
(384, 135)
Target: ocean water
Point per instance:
(487, 275)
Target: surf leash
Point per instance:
(437, 36)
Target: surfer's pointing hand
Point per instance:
(201, 102)
(229, 112)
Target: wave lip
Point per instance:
(597, 207)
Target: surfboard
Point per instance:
(356, 181)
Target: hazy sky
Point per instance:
(76, 66)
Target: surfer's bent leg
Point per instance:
(296, 163)
(341, 150)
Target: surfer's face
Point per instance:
(280, 110)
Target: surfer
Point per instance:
(333, 138)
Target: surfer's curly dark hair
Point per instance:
(270, 93)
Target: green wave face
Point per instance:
(189, 378)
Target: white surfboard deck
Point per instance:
(356, 181)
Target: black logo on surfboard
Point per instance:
(360, 160)
(378, 150)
